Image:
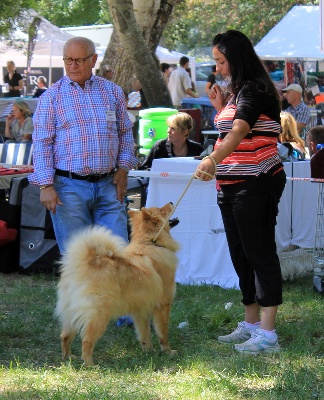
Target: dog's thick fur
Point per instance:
(102, 277)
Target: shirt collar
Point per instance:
(69, 81)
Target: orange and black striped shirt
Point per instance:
(257, 153)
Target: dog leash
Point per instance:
(194, 176)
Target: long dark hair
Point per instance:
(244, 64)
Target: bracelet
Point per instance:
(45, 186)
(124, 168)
(214, 162)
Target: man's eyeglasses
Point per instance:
(78, 61)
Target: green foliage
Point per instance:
(10, 12)
(65, 13)
(61, 13)
(195, 23)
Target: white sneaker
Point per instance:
(240, 334)
(258, 343)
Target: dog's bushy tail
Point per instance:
(91, 247)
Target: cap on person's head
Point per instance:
(293, 86)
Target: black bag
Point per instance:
(38, 250)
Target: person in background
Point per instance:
(289, 134)
(41, 87)
(83, 147)
(177, 143)
(166, 70)
(137, 87)
(107, 72)
(14, 80)
(211, 78)
(297, 108)
(250, 182)
(19, 124)
(193, 86)
(180, 85)
(314, 137)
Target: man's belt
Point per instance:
(89, 178)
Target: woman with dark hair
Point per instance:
(250, 182)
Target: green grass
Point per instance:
(31, 366)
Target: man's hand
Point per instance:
(49, 198)
(120, 180)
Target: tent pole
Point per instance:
(50, 67)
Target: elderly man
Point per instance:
(298, 109)
(180, 84)
(83, 147)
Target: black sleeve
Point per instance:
(248, 105)
(251, 103)
(157, 151)
(194, 148)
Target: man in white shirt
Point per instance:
(180, 84)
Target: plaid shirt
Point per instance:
(301, 113)
(83, 131)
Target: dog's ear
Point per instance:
(146, 213)
(133, 214)
(167, 208)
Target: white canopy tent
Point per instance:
(173, 57)
(297, 35)
(49, 44)
(101, 34)
(47, 49)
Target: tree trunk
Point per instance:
(138, 27)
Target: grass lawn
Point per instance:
(31, 366)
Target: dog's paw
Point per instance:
(146, 347)
(169, 352)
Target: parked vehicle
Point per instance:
(203, 70)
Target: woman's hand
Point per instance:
(10, 118)
(206, 170)
(216, 97)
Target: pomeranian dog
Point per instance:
(102, 277)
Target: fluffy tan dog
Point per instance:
(104, 278)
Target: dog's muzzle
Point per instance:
(173, 222)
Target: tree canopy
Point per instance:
(193, 25)
(196, 22)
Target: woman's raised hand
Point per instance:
(216, 96)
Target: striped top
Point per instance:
(83, 131)
(257, 153)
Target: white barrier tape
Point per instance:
(153, 174)
(187, 175)
(306, 179)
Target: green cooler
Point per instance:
(153, 126)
